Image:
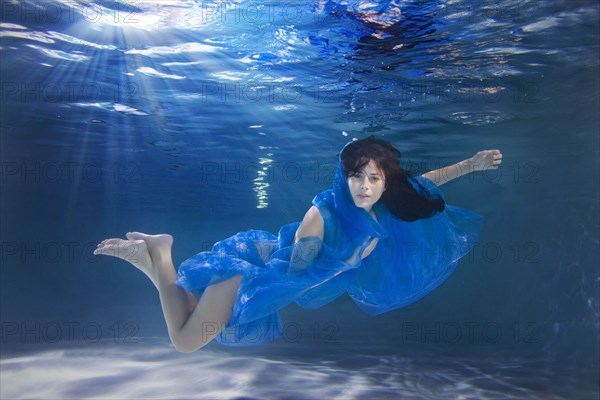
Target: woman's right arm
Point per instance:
(312, 225)
(306, 251)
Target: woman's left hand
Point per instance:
(486, 159)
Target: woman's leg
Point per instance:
(191, 323)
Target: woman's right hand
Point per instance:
(363, 250)
(370, 247)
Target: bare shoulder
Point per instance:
(312, 225)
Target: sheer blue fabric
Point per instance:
(410, 260)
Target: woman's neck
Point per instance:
(372, 214)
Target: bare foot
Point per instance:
(133, 251)
(159, 246)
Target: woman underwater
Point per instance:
(381, 235)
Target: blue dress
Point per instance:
(410, 260)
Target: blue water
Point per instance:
(202, 119)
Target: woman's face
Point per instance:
(367, 186)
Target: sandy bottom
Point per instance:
(152, 369)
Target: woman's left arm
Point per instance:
(482, 160)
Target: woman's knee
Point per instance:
(185, 345)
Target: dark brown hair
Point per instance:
(400, 196)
